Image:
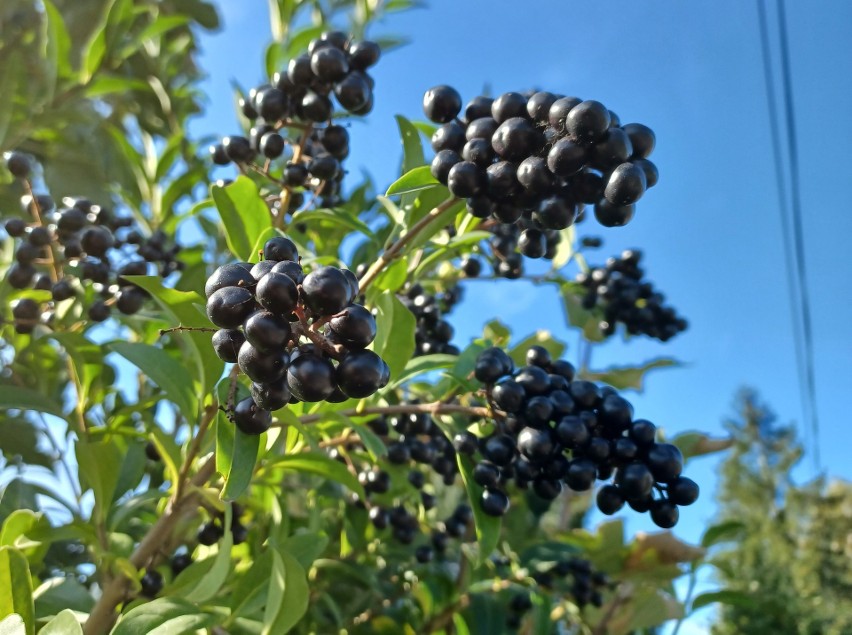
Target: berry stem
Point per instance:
(181, 328)
(393, 251)
(434, 408)
(284, 205)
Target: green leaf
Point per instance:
(576, 315)
(186, 308)
(17, 524)
(722, 532)
(244, 215)
(57, 45)
(65, 623)
(218, 573)
(19, 398)
(164, 371)
(99, 464)
(287, 599)
(394, 276)
(95, 48)
(169, 452)
(17, 594)
(56, 594)
(395, 327)
(412, 148)
(692, 444)
(305, 547)
(371, 441)
(565, 250)
(518, 353)
(726, 596)
(236, 455)
(12, 625)
(487, 527)
(624, 377)
(414, 180)
(424, 364)
(321, 465)
(163, 616)
(337, 216)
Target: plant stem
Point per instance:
(194, 447)
(180, 328)
(393, 251)
(434, 408)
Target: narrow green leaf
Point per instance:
(726, 596)
(320, 465)
(577, 315)
(412, 148)
(16, 525)
(244, 215)
(565, 250)
(394, 276)
(17, 594)
(417, 179)
(487, 527)
(305, 547)
(624, 377)
(18, 398)
(715, 534)
(165, 371)
(336, 216)
(65, 623)
(287, 599)
(250, 592)
(169, 452)
(95, 48)
(424, 364)
(99, 464)
(236, 455)
(163, 616)
(213, 581)
(8, 89)
(395, 326)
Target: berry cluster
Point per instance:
(618, 288)
(64, 250)
(586, 587)
(557, 429)
(299, 98)
(263, 312)
(434, 333)
(535, 160)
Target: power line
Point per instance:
(793, 238)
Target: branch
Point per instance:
(624, 593)
(391, 252)
(435, 408)
(103, 614)
(180, 328)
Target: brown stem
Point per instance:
(194, 447)
(35, 210)
(435, 408)
(624, 593)
(302, 328)
(103, 614)
(180, 328)
(284, 205)
(393, 251)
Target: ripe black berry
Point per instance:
(271, 395)
(238, 149)
(642, 139)
(610, 500)
(354, 93)
(267, 331)
(355, 327)
(492, 364)
(611, 215)
(664, 513)
(277, 293)
(151, 583)
(665, 461)
(363, 55)
(251, 419)
(465, 179)
(18, 164)
(587, 122)
(441, 104)
(509, 105)
(494, 502)
(262, 367)
(361, 373)
(326, 291)
(329, 64)
(311, 378)
(635, 481)
(230, 306)
(227, 343)
(626, 184)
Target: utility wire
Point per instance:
(792, 238)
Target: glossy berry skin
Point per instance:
(665, 461)
(361, 373)
(642, 139)
(494, 502)
(509, 105)
(536, 444)
(315, 107)
(129, 300)
(609, 500)
(559, 111)
(16, 227)
(483, 128)
(546, 488)
(355, 327)
(441, 104)
(477, 108)
(499, 449)
(492, 364)
(538, 106)
(227, 343)
(486, 474)
(532, 243)
(626, 184)
(442, 163)
(615, 148)
(424, 554)
(635, 481)
(509, 396)
(277, 293)
(534, 380)
(471, 266)
(267, 331)
(238, 149)
(502, 178)
(450, 136)
(652, 175)
(271, 395)
(516, 139)
(326, 291)
(179, 562)
(280, 248)
(98, 312)
(354, 93)
(251, 419)
(683, 491)
(479, 152)
(229, 307)
(311, 378)
(465, 179)
(611, 215)
(260, 366)
(329, 64)
(556, 212)
(465, 443)
(271, 145)
(534, 176)
(664, 513)
(231, 275)
(581, 475)
(587, 122)
(643, 433)
(151, 583)
(209, 534)
(363, 55)
(18, 164)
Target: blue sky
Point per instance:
(710, 230)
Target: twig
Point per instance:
(180, 328)
(287, 192)
(624, 593)
(391, 252)
(194, 447)
(435, 408)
